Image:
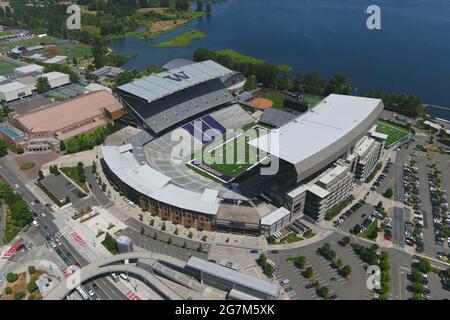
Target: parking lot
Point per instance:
(301, 288)
(61, 187)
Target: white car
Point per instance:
(43, 215)
(91, 292)
(124, 276)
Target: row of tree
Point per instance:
(87, 141)
(274, 76)
(20, 215)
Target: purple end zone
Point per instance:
(213, 123)
(211, 171)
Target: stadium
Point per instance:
(200, 159)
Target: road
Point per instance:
(398, 226)
(66, 251)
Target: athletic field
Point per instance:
(394, 132)
(235, 156)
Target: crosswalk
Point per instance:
(29, 243)
(342, 232)
(75, 236)
(16, 246)
(132, 296)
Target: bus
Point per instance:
(82, 293)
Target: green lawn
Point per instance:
(27, 166)
(242, 155)
(6, 67)
(72, 173)
(312, 100)
(290, 238)
(239, 57)
(4, 33)
(394, 132)
(74, 50)
(181, 40)
(277, 99)
(369, 233)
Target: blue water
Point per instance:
(411, 53)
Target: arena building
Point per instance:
(321, 153)
(65, 120)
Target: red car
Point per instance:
(388, 237)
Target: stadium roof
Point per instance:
(148, 181)
(276, 118)
(245, 280)
(159, 85)
(323, 133)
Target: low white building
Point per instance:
(14, 90)
(29, 69)
(57, 79)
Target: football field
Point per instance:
(234, 156)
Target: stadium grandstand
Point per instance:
(162, 101)
(321, 153)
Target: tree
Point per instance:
(163, 227)
(152, 222)
(190, 235)
(42, 85)
(32, 286)
(345, 241)
(300, 262)
(338, 85)
(40, 175)
(204, 238)
(417, 287)
(200, 248)
(12, 277)
(416, 276)
(169, 241)
(389, 193)
(417, 296)
(8, 290)
(176, 231)
(424, 266)
(62, 146)
(67, 199)
(308, 273)
(323, 292)
(142, 231)
(3, 148)
(184, 245)
(203, 54)
(314, 83)
(338, 263)
(31, 269)
(346, 271)
(251, 83)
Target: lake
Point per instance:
(411, 52)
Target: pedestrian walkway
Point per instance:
(29, 243)
(10, 252)
(77, 238)
(132, 296)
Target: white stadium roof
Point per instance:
(336, 119)
(159, 85)
(150, 182)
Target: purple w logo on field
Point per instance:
(178, 77)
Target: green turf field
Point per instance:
(394, 132)
(242, 155)
(6, 67)
(27, 43)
